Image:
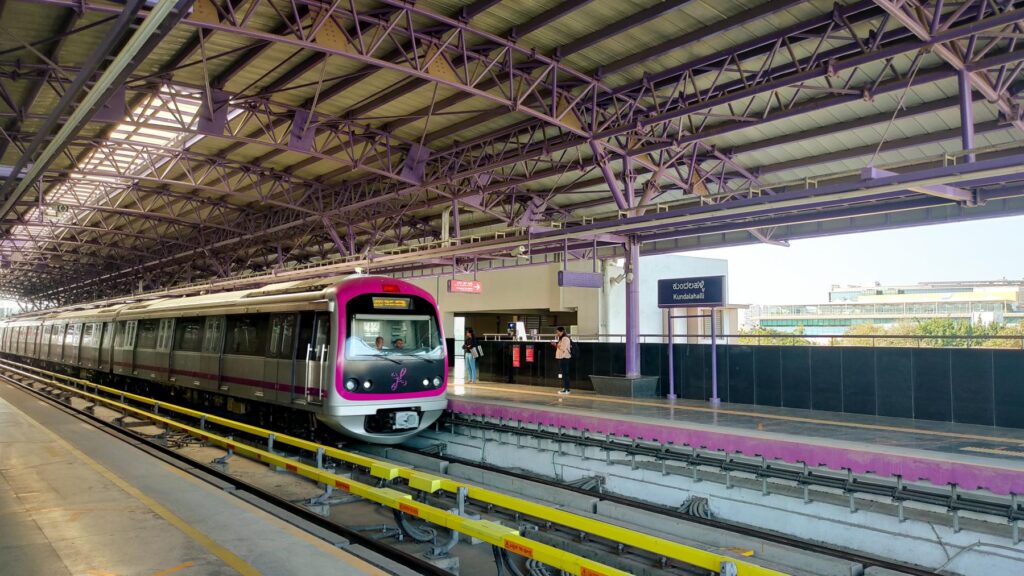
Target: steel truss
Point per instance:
(623, 148)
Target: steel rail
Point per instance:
(498, 535)
(745, 530)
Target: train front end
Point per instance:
(391, 366)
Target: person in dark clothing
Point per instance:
(563, 353)
(470, 347)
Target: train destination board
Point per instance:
(391, 303)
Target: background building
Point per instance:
(999, 301)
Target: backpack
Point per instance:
(574, 348)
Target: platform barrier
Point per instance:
(491, 532)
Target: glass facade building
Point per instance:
(975, 302)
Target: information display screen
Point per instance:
(391, 303)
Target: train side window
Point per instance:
(72, 335)
(146, 334)
(119, 333)
(188, 335)
(131, 330)
(282, 335)
(164, 333)
(305, 335)
(214, 333)
(107, 334)
(246, 335)
(87, 332)
(322, 338)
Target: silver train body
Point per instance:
(288, 345)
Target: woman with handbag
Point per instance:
(472, 350)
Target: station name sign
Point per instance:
(691, 292)
(465, 286)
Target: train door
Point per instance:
(210, 360)
(72, 340)
(31, 350)
(57, 342)
(164, 338)
(245, 346)
(124, 346)
(106, 346)
(277, 366)
(318, 359)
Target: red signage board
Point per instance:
(529, 354)
(515, 356)
(465, 286)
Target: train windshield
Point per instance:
(375, 335)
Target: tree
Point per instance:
(767, 336)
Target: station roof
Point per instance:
(158, 145)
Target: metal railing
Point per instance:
(1013, 342)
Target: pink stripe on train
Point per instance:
(966, 475)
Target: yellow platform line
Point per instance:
(496, 534)
(760, 415)
(998, 451)
(227, 556)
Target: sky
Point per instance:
(804, 272)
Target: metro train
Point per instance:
(366, 356)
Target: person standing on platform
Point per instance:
(472, 351)
(563, 353)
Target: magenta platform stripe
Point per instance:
(966, 475)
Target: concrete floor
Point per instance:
(74, 500)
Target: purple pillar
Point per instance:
(715, 400)
(671, 360)
(966, 113)
(633, 308)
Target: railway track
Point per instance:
(598, 493)
(427, 510)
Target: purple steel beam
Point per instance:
(632, 308)
(627, 23)
(966, 113)
(720, 27)
(952, 53)
(601, 157)
(544, 18)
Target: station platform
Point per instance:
(74, 500)
(969, 456)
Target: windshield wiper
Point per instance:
(424, 358)
(384, 356)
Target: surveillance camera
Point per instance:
(629, 277)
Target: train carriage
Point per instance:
(366, 355)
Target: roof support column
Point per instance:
(966, 113)
(632, 308)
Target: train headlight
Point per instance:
(351, 384)
(368, 384)
(426, 382)
(437, 381)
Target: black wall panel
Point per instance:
(1008, 379)
(859, 380)
(767, 376)
(826, 378)
(741, 374)
(932, 396)
(895, 383)
(796, 376)
(973, 386)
